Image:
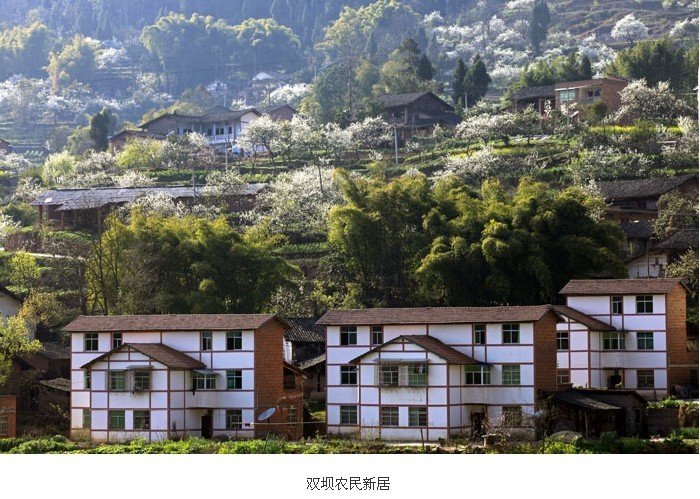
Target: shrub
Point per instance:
(52, 445)
(686, 433)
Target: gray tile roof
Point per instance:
(544, 92)
(642, 188)
(312, 362)
(680, 240)
(84, 199)
(304, 330)
(60, 384)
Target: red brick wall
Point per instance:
(545, 355)
(8, 407)
(269, 377)
(680, 360)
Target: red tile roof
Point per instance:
(619, 286)
(168, 356)
(433, 315)
(431, 344)
(179, 322)
(581, 318)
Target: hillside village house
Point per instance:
(417, 113)
(429, 373)
(221, 126)
(87, 208)
(588, 92)
(169, 376)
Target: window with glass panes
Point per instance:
(645, 378)
(206, 340)
(348, 414)
(4, 426)
(562, 340)
(616, 305)
(117, 420)
(87, 379)
(477, 375)
(116, 340)
(142, 380)
(91, 342)
(512, 415)
(511, 374)
(389, 416)
(377, 335)
(645, 304)
(86, 419)
(645, 341)
(511, 333)
(389, 374)
(348, 335)
(234, 340)
(234, 419)
(292, 414)
(142, 420)
(613, 340)
(348, 375)
(563, 377)
(234, 379)
(203, 381)
(479, 334)
(417, 416)
(117, 380)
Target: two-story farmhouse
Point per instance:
(644, 347)
(429, 373)
(168, 376)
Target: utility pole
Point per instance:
(396, 148)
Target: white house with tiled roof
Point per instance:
(168, 376)
(429, 373)
(644, 346)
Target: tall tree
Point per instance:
(476, 81)
(458, 76)
(99, 129)
(539, 25)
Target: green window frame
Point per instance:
(348, 335)
(142, 420)
(234, 340)
(418, 416)
(206, 340)
(203, 381)
(479, 334)
(613, 340)
(87, 379)
(87, 419)
(511, 374)
(348, 414)
(389, 416)
(477, 375)
(511, 334)
(348, 375)
(234, 379)
(377, 335)
(645, 341)
(645, 304)
(91, 342)
(4, 426)
(512, 415)
(234, 419)
(141, 380)
(117, 420)
(117, 380)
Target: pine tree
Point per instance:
(458, 76)
(425, 71)
(586, 69)
(539, 24)
(476, 81)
